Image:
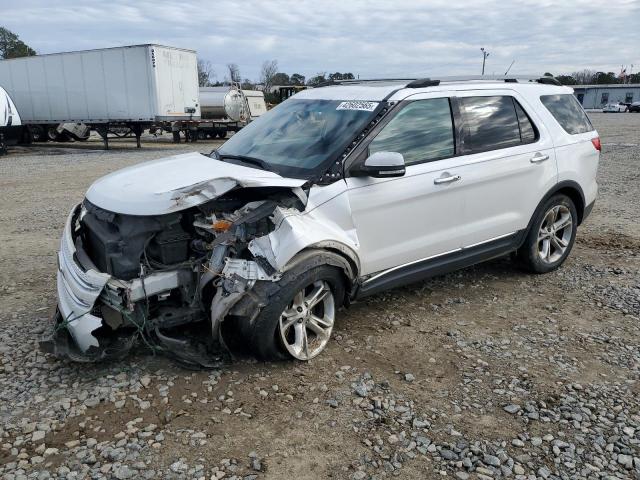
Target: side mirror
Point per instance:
(381, 165)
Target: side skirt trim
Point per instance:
(442, 263)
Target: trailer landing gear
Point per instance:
(137, 131)
(104, 134)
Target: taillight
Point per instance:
(596, 143)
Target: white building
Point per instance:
(597, 96)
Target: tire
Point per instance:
(52, 134)
(202, 135)
(264, 334)
(222, 134)
(545, 248)
(37, 133)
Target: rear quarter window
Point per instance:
(567, 112)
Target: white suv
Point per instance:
(338, 193)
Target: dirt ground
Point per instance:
(441, 362)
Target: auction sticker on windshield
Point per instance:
(358, 105)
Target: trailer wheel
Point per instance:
(37, 133)
(176, 137)
(202, 135)
(222, 134)
(52, 134)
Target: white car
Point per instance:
(338, 193)
(615, 107)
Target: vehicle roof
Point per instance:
(398, 90)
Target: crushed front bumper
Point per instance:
(78, 290)
(85, 295)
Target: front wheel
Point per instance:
(299, 317)
(551, 237)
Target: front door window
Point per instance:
(421, 132)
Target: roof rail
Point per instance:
(430, 82)
(364, 80)
(501, 78)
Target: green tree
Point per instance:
(297, 79)
(603, 78)
(566, 79)
(12, 47)
(341, 76)
(281, 78)
(318, 79)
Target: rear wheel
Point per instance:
(38, 133)
(299, 317)
(52, 134)
(551, 237)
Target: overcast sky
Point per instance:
(370, 39)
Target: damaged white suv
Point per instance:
(337, 193)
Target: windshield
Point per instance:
(299, 138)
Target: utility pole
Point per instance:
(485, 54)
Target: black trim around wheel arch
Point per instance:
(440, 265)
(555, 189)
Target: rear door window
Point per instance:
(568, 113)
(490, 123)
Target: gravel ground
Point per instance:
(484, 373)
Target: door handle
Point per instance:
(539, 158)
(441, 180)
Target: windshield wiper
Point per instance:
(250, 160)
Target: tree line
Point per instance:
(270, 76)
(593, 77)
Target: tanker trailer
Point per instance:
(229, 108)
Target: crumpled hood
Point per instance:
(175, 183)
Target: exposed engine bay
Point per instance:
(167, 280)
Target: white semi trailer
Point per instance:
(108, 90)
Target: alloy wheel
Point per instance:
(555, 233)
(306, 324)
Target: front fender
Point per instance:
(297, 231)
